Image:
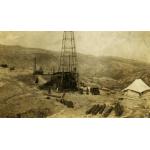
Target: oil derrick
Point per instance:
(68, 58)
(68, 62)
(66, 78)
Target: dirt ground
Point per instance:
(82, 103)
(21, 97)
(137, 108)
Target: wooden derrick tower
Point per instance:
(68, 58)
(68, 63)
(66, 78)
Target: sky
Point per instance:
(132, 45)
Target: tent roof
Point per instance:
(138, 86)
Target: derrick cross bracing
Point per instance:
(68, 58)
(68, 73)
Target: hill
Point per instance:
(110, 72)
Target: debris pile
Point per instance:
(102, 108)
(95, 109)
(12, 68)
(91, 110)
(69, 104)
(106, 110)
(118, 109)
(4, 65)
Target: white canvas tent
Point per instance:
(137, 88)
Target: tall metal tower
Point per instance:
(68, 58)
(66, 78)
(68, 62)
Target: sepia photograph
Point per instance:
(74, 74)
